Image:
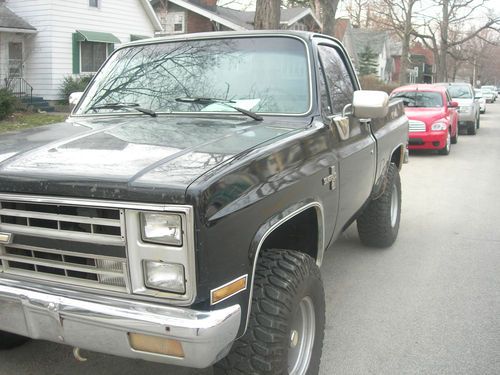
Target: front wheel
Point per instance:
(447, 147)
(287, 320)
(11, 341)
(378, 225)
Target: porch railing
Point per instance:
(19, 87)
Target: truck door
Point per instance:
(355, 144)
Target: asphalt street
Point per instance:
(430, 304)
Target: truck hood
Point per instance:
(139, 158)
(427, 115)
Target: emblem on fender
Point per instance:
(331, 179)
(5, 238)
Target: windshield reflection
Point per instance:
(266, 75)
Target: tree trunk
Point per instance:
(442, 71)
(405, 62)
(329, 11)
(405, 53)
(267, 15)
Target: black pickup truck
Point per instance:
(181, 213)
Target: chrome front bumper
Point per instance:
(102, 324)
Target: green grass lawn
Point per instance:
(25, 120)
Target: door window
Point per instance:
(15, 59)
(338, 79)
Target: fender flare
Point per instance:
(275, 222)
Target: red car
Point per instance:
(433, 117)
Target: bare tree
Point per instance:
(359, 12)
(452, 15)
(397, 16)
(267, 14)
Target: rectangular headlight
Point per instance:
(161, 228)
(164, 276)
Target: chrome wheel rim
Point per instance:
(448, 142)
(394, 205)
(302, 338)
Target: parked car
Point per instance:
(468, 107)
(478, 95)
(433, 119)
(488, 95)
(181, 213)
(493, 89)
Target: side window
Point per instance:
(338, 79)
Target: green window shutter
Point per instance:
(76, 54)
(111, 48)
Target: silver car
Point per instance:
(482, 101)
(468, 107)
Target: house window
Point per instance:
(175, 22)
(93, 54)
(94, 3)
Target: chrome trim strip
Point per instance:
(91, 202)
(321, 241)
(226, 284)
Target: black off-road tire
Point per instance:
(11, 341)
(377, 225)
(478, 123)
(283, 279)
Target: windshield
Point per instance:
(266, 75)
(421, 99)
(462, 92)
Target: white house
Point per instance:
(43, 41)
(378, 42)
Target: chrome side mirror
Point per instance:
(370, 104)
(75, 97)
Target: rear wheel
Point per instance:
(287, 319)
(11, 341)
(378, 225)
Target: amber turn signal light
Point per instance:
(228, 290)
(156, 345)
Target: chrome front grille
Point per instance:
(416, 126)
(77, 245)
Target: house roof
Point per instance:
(152, 15)
(373, 39)
(239, 19)
(11, 22)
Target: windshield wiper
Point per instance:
(227, 103)
(125, 105)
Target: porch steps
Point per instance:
(38, 103)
